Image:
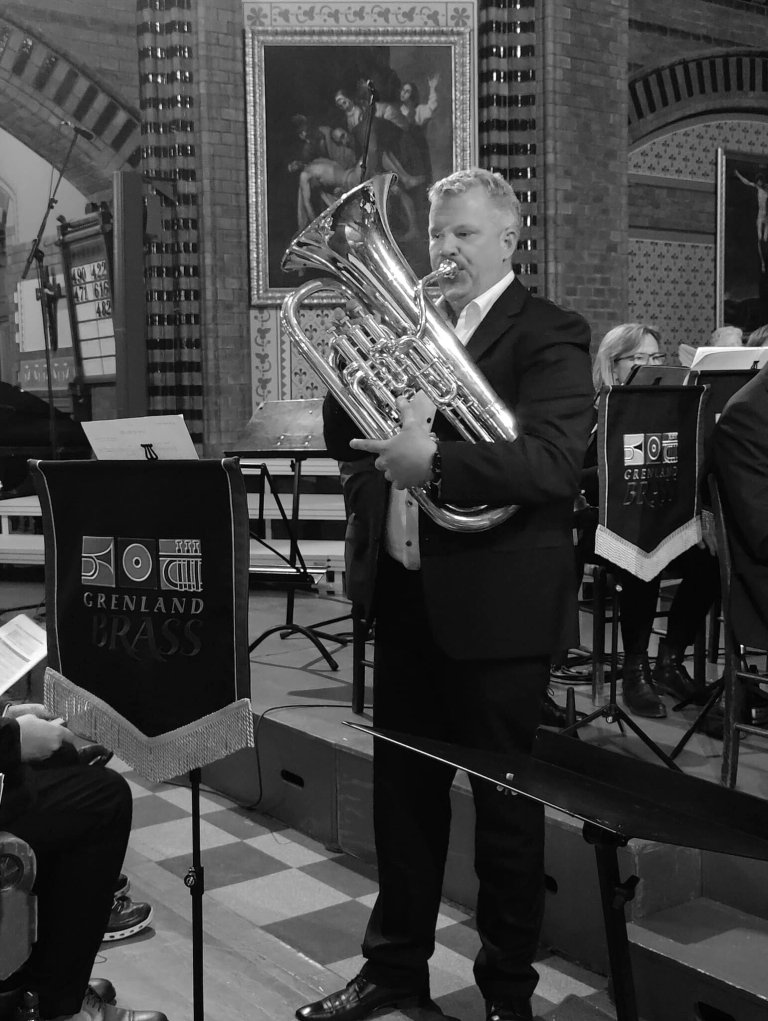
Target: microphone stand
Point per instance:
(48, 294)
(368, 126)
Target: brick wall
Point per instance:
(224, 222)
(585, 146)
(661, 31)
(585, 49)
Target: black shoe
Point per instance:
(360, 998)
(127, 918)
(104, 989)
(554, 715)
(671, 678)
(98, 1010)
(517, 1010)
(122, 886)
(637, 688)
(94, 755)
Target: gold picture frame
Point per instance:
(313, 73)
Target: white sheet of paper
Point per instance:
(709, 358)
(156, 437)
(23, 644)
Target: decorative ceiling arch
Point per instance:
(41, 87)
(733, 81)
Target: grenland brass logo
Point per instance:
(169, 564)
(144, 596)
(650, 468)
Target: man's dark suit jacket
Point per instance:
(509, 591)
(740, 452)
(17, 794)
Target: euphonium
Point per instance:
(389, 340)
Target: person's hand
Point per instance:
(433, 80)
(15, 710)
(406, 458)
(41, 738)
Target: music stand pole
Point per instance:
(195, 881)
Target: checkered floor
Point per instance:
(317, 901)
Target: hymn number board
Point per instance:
(87, 248)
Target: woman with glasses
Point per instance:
(620, 350)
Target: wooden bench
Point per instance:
(21, 531)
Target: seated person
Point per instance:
(726, 336)
(620, 350)
(758, 337)
(740, 459)
(77, 820)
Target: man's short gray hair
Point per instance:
(494, 185)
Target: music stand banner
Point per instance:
(649, 463)
(146, 603)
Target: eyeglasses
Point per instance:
(644, 359)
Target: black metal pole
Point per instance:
(48, 306)
(614, 895)
(195, 881)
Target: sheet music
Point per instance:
(707, 358)
(156, 437)
(23, 644)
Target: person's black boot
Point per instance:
(637, 691)
(671, 678)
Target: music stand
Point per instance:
(617, 798)
(657, 375)
(291, 429)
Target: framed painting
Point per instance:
(313, 88)
(742, 240)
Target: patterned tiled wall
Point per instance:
(672, 282)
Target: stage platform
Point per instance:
(698, 923)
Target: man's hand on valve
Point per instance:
(405, 458)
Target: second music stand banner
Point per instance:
(649, 458)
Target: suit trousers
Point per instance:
(78, 828)
(486, 704)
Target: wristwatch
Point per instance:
(436, 468)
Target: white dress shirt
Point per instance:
(402, 536)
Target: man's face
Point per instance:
(343, 102)
(477, 235)
(406, 93)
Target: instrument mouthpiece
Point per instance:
(447, 269)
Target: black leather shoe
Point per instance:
(671, 678)
(94, 755)
(637, 688)
(97, 1010)
(104, 989)
(554, 715)
(518, 1010)
(359, 999)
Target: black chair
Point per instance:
(18, 913)
(740, 675)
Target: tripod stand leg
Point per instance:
(717, 690)
(297, 629)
